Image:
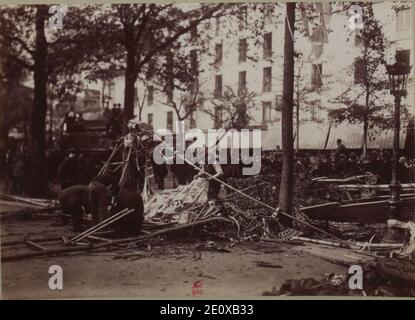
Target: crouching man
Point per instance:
(100, 190)
(74, 201)
(129, 198)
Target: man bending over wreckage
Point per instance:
(73, 201)
(93, 198)
(100, 191)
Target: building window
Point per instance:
(191, 117)
(192, 121)
(403, 19)
(268, 45)
(243, 49)
(359, 71)
(218, 86)
(316, 75)
(169, 91)
(243, 18)
(193, 61)
(315, 108)
(218, 54)
(193, 33)
(150, 119)
(358, 39)
(218, 117)
(150, 95)
(279, 102)
(404, 56)
(217, 26)
(266, 113)
(268, 14)
(170, 120)
(242, 83)
(267, 79)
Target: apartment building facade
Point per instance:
(245, 52)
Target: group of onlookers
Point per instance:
(344, 164)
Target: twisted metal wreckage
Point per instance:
(186, 208)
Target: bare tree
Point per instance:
(141, 104)
(235, 108)
(188, 103)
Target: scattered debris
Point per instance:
(211, 246)
(385, 277)
(408, 247)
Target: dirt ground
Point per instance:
(165, 269)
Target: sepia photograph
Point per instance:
(245, 150)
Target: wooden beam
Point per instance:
(145, 237)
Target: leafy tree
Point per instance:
(367, 101)
(11, 76)
(43, 51)
(139, 36)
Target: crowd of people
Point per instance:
(343, 163)
(74, 122)
(114, 121)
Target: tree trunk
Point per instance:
(103, 94)
(365, 124)
(37, 127)
(297, 119)
(287, 176)
(141, 105)
(365, 129)
(4, 136)
(129, 90)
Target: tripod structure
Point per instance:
(127, 162)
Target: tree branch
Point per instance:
(172, 39)
(21, 42)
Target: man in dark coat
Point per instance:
(341, 149)
(159, 171)
(129, 198)
(69, 171)
(74, 201)
(100, 190)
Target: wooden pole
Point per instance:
(111, 243)
(103, 226)
(105, 166)
(45, 239)
(100, 224)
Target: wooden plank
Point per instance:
(98, 238)
(36, 245)
(371, 211)
(26, 212)
(44, 239)
(146, 237)
(383, 187)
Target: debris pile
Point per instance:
(385, 277)
(170, 205)
(189, 203)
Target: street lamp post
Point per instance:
(398, 78)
